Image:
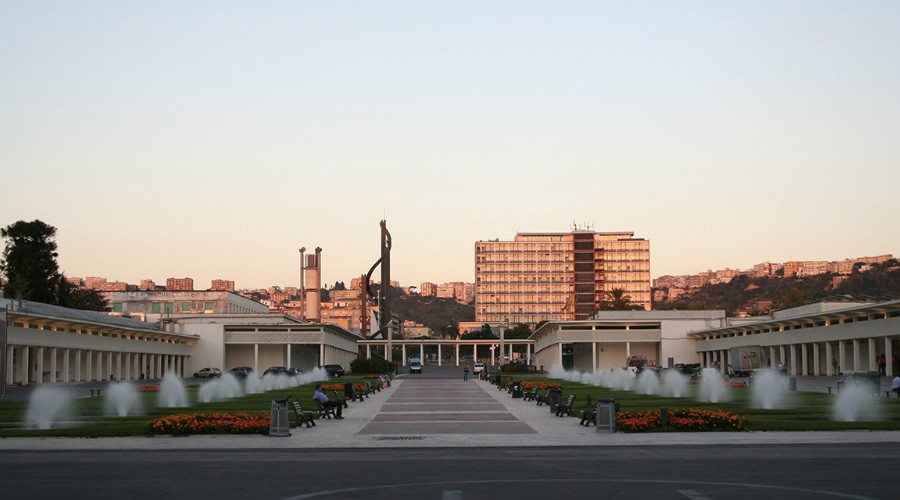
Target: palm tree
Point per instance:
(616, 300)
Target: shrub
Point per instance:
(371, 365)
(515, 368)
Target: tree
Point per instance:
(520, 331)
(616, 300)
(79, 298)
(29, 262)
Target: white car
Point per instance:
(478, 368)
(208, 373)
(415, 366)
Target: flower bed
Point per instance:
(681, 419)
(527, 385)
(211, 423)
(147, 388)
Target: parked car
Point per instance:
(275, 370)
(208, 373)
(478, 367)
(333, 370)
(415, 366)
(241, 371)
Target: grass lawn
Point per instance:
(806, 411)
(87, 418)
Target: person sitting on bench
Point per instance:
(320, 398)
(895, 385)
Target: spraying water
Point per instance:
(253, 384)
(712, 386)
(675, 383)
(648, 382)
(856, 403)
(47, 406)
(121, 399)
(172, 393)
(768, 390)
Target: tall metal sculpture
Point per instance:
(381, 298)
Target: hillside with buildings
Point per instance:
(746, 294)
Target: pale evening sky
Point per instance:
(212, 139)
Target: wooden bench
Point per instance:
(530, 395)
(565, 409)
(339, 399)
(326, 412)
(543, 398)
(303, 416)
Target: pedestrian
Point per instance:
(465, 373)
(895, 385)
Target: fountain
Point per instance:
(855, 402)
(47, 406)
(647, 382)
(121, 399)
(712, 386)
(674, 383)
(768, 389)
(253, 384)
(172, 393)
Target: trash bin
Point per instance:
(280, 424)
(553, 398)
(517, 390)
(606, 415)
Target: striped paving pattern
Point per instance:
(424, 407)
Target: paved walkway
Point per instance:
(446, 413)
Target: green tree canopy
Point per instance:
(29, 264)
(617, 300)
(29, 261)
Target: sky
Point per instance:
(213, 139)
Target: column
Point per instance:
(528, 353)
(857, 356)
(439, 354)
(873, 365)
(889, 357)
(287, 355)
(804, 359)
(422, 352)
(772, 363)
(26, 365)
(781, 355)
(593, 357)
(457, 352)
(792, 362)
(256, 356)
(829, 355)
(368, 351)
(79, 375)
(119, 375)
(627, 350)
(816, 360)
(403, 350)
(842, 356)
(65, 367)
(53, 352)
(10, 374)
(322, 353)
(474, 352)
(39, 361)
(127, 374)
(559, 353)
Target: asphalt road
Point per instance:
(666, 472)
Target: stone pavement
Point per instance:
(445, 413)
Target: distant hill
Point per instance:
(433, 312)
(760, 295)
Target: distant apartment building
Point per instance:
(147, 285)
(558, 276)
(427, 289)
(446, 291)
(102, 285)
(180, 284)
(152, 305)
(219, 285)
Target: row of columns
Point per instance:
(27, 365)
(456, 354)
(795, 358)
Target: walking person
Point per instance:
(466, 373)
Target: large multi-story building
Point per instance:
(558, 276)
(220, 285)
(182, 284)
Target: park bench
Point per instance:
(543, 398)
(588, 417)
(351, 393)
(566, 408)
(325, 412)
(530, 395)
(303, 416)
(339, 399)
(95, 391)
